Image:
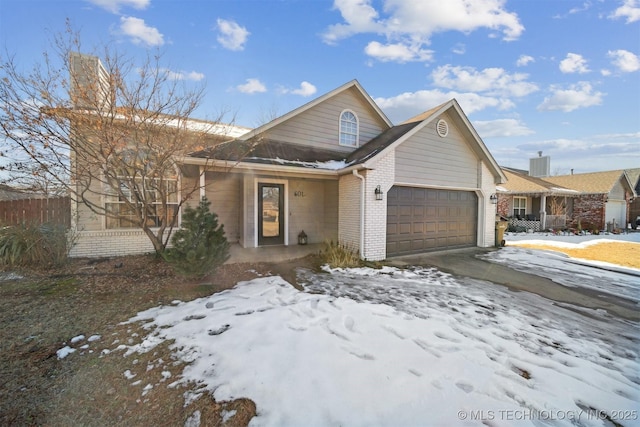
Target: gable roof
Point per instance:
(352, 84)
(592, 183)
(519, 183)
(634, 178)
(278, 153)
(416, 123)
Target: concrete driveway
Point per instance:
(473, 263)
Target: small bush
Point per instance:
(340, 255)
(33, 245)
(200, 246)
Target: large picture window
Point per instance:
(519, 207)
(348, 129)
(121, 205)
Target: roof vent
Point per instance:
(442, 128)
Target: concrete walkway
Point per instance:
(279, 253)
(465, 263)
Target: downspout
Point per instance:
(203, 183)
(362, 207)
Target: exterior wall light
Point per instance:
(493, 199)
(378, 192)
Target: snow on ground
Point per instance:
(364, 347)
(570, 272)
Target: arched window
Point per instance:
(348, 129)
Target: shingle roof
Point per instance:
(634, 177)
(589, 183)
(519, 183)
(304, 156)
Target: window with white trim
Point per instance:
(120, 205)
(519, 207)
(348, 129)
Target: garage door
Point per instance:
(423, 219)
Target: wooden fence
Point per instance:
(56, 210)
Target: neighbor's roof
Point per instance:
(591, 183)
(634, 178)
(519, 183)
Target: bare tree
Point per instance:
(106, 132)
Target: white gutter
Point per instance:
(362, 207)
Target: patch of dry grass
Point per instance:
(626, 254)
(43, 310)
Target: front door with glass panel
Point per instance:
(271, 214)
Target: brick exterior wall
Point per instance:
(383, 174)
(349, 211)
(486, 209)
(589, 209)
(98, 244)
(504, 205)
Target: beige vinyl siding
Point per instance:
(307, 205)
(428, 159)
(617, 192)
(319, 126)
(224, 191)
(331, 210)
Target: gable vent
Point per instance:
(442, 128)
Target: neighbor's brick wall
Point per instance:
(382, 174)
(589, 209)
(504, 205)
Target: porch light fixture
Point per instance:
(493, 199)
(378, 192)
(302, 238)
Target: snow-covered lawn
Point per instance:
(364, 347)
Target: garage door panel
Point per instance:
(420, 219)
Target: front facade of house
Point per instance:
(337, 169)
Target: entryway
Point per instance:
(271, 214)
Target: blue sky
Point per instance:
(558, 76)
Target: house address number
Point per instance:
(298, 194)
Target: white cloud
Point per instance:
(306, 89)
(501, 128)
(231, 35)
(252, 86)
(630, 10)
(114, 6)
(397, 52)
(459, 49)
(524, 60)
(360, 17)
(408, 25)
(409, 104)
(580, 95)
(625, 61)
(574, 63)
(139, 32)
(494, 81)
(183, 75)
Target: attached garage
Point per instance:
(425, 219)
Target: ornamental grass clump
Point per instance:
(35, 245)
(340, 255)
(200, 246)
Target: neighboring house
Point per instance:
(634, 206)
(338, 169)
(533, 203)
(604, 198)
